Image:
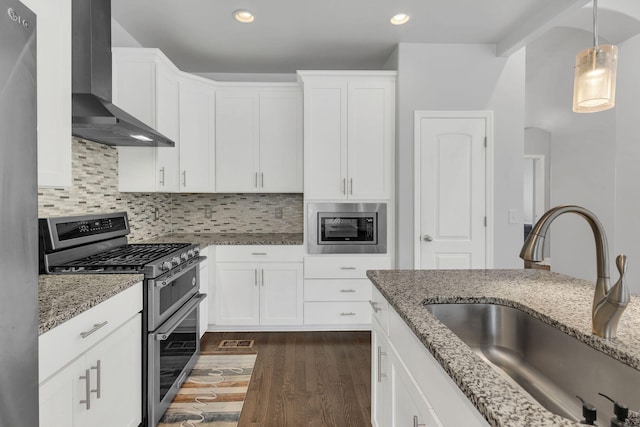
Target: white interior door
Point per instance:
(451, 192)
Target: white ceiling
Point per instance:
(200, 36)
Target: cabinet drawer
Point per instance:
(62, 344)
(343, 267)
(337, 313)
(380, 308)
(260, 253)
(337, 290)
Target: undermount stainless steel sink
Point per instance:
(549, 365)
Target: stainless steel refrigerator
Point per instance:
(18, 218)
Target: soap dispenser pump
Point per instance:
(620, 410)
(588, 412)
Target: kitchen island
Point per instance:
(560, 301)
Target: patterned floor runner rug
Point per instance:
(213, 394)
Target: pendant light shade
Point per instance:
(594, 86)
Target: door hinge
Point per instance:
(485, 221)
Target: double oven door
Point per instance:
(173, 336)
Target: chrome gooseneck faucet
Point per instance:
(608, 302)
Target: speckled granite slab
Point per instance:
(206, 239)
(63, 296)
(561, 301)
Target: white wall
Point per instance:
(583, 173)
(627, 161)
(121, 37)
(463, 77)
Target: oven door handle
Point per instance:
(161, 283)
(178, 317)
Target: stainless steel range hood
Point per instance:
(94, 116)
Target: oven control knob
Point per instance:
(166, 266)
(184, 256)
(196, 251)
(175, 261)
(191, 253)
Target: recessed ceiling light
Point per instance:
(399, 19)
(243, 16)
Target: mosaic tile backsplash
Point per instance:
(95, 190)
(237, 213)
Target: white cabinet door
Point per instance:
(237, 294)
(281, 141)
(380, 378)
(145, 84)
(55, 396)
(114, 367)
(237, 139)
(409, 407)
(281, 294)
(325, 139)
(54, 91)
(197, 135)
(370, 136)
(168, 115)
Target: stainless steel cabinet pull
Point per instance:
(344, 185)
(255, 180)
(347, 268)
(351, 313)
(98, 381)
(96, 326)
(380, 354)
(374, 306)
(351, 185)
(255, 277)
(347, 290)
(262, 179)
(259, 253)
(262, 276)
(162, 176)
(184, 178)
(87, 388)
(415, 422)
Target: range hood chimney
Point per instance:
(94, 116)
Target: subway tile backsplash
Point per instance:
(95, 190)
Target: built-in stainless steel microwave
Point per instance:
(347, 228)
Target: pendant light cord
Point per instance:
(595, 23)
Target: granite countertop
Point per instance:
(206, 239)
(63, 296)
(561, 301)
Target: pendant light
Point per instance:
(594, 87)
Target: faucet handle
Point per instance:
(619, 293)
(621, 263)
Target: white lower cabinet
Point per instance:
(337, 291)
(265, 292)
(408, 386)
(100, 384)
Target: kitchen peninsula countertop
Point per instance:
(206, 239)
(561, 301)
(63, 296)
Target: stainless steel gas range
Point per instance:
(97, 244)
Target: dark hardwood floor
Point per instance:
(306, 379)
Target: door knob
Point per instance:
(427, 238)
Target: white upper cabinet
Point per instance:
(197, 134)
(54, 91)
(349, 130)
(259, 139)
(145, 84)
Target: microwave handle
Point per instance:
(179, 316)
